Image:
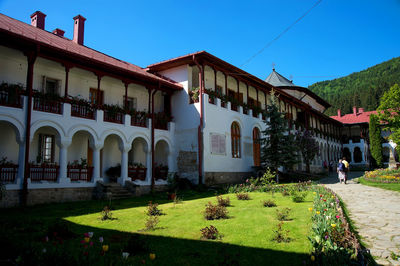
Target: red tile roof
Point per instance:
(360, 117)
(25, 30)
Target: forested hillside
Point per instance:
(361, 89)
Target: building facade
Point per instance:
(72, 117)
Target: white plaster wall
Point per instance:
(8, 144)
(221, 81)
(111, 153)
(209, 78)
(13, 66)
(161, 153)
(50, 69)
(79, 146)
(138, 152)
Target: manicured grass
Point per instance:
(247, 234)
(388, 186)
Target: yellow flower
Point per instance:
(105, 248)
(333, 225)
(310, 209)
(317, 212)
(332, 196)
(312, 258)
(315, 193)
(152, 256)
(87, 239)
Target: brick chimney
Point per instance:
(355, 110)
(79, 29)
(361, 110)
(339, 113)
(59, 32)
(37, 20)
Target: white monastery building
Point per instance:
(74, 120)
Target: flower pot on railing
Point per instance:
(138, 118)
(79, 173)
(47, 102)
(82, 108)
(161, 172)
(10, 95)
(43, 172)
(113, 114)
(137, 173)
(194, 95)
(161, 121)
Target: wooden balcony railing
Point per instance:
(13, 99)
(8, 173)
(137, 173)
(47, 105)
(43, 173)
(113, 116)
(161, 121)
(234, 107)
(161, 172)
(79, 173)
(139, 119)
(82, 110)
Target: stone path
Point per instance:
(375, 213)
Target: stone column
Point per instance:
(124, 164)
(96, 161)
(21, 161)
(64, 144)
(148, 165)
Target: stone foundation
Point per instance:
(11, 198)
(219, 178)
(187, 165)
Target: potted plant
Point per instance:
(194, 94)
(114, 172)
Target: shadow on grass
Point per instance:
(168, 250)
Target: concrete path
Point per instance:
(375, 213)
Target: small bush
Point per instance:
(210, 233)
(299, 196)
(214, 212)
(285, 193)
(283, 215)
(269, 203)
(153, 210)
(223, 202)
(151, 222)
(280, 234)
(106, 214)
(242, 196)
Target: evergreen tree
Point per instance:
(278, 147)
(375, 141)
(307, 146)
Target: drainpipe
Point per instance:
(152, 138)
(29, 84)
(200, 128)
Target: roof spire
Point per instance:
(273, 66)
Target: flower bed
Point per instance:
(332, 239)
(383, 176)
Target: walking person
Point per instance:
(346, 170)
(341, 171)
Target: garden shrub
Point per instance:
(210, 233)
(285, 193)
(151, 223)
(299, 196)
(283, 214)
(106, 214)
(269, 203)
(242, 196)
(214, 212)
(153, 210)
(223, 202)
(281, 235)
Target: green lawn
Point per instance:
(388, 186)
(246, 238)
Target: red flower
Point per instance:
(324, 199)
(325, 210)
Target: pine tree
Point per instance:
(308, 147)
(375, 141)
(278, 147)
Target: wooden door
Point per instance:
(93, 96)
(89, 155)
(256, 147)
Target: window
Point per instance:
(235, 136)
(46, 148)
(93, 96)
(131, 103)
(51, 86)
(256, 147)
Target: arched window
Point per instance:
(256, 146)
(235, 138)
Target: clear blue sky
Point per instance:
(336, 38)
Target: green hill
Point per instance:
(361, 89)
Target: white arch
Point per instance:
(159, 138)
(237, 120)
(16, 124)
(47, 123)
(139, 135)
(113, 132)
(81, 127)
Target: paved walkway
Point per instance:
(375, 213)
